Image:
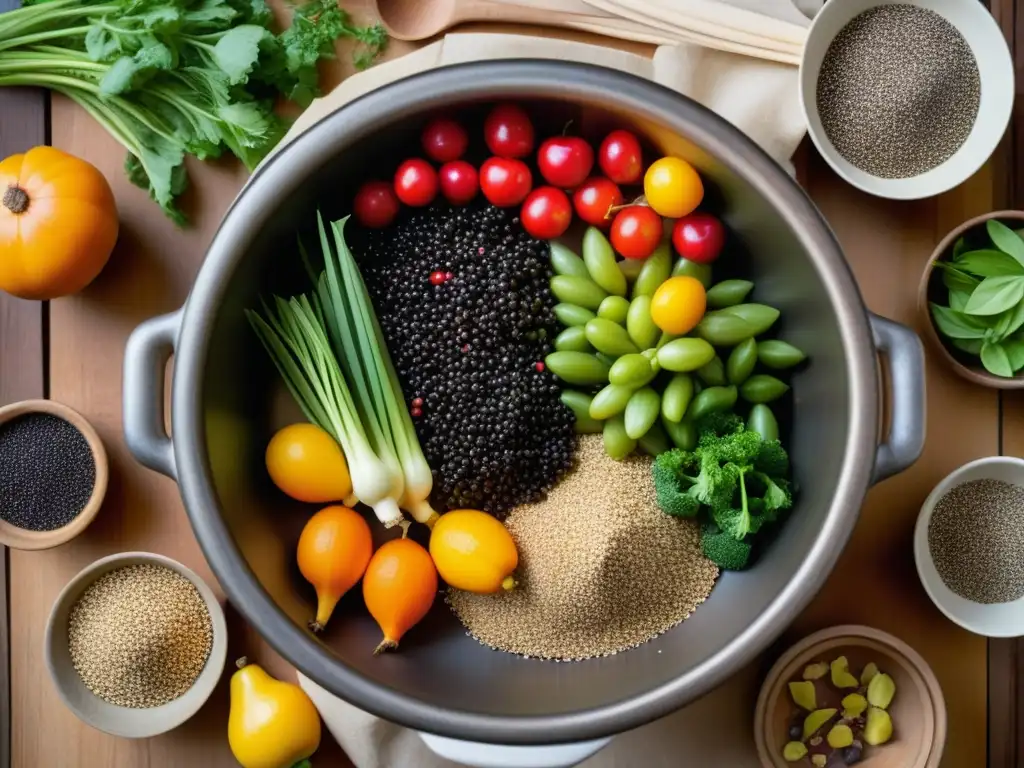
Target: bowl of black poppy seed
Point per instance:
(53, 474)
(969, 546)
(906, 99)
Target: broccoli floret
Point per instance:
(673, 484)
(719, 424)
(724, 550)
(772, 459)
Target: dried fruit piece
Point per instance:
(815, 671)
(815, 720)
(793, 751)
(854, 706)
(840, 736)
(881, 689)
(868, 673)
(815, 741)
(878, 729)
(841, 677)
(803, 695)
(819, 761)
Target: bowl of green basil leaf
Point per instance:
(972, 296)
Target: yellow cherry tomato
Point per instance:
(306, 463)
(678, 304)
(673, 187)
(473, 552)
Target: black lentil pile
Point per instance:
(462, 297)
(47, 472)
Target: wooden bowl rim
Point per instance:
(21, 538)
(911, 660)
(976, 374)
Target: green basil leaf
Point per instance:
(1015, 351)
(989, 263)
(1005, 239)
(996, 294)
(956, 279)
(970, 346)
(959, 246)
(958, 300)
(957, 325)
(996, 361)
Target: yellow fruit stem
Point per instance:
(405, 524)
(508, 584)
(387, 644)
(324, 608)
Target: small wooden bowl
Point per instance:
(21, 538)
(931, 286)
(918, 710)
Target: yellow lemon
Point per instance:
(473, 551)
(305, 462)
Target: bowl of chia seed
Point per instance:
(969, 546)
(906, 99)
(53, 474)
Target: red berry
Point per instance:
(436, 278)
(546, 213)
(375, 204)
(593, 200)
(565, 161)
(444, 140)
(505, 182)
(508, 131)
(459, 182)
(699, 237)
(416, 182)
(539, 367)
(416, 413)
(449, 275)
(636, 232)
(620, 158)
(417, 402)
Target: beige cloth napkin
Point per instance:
(760, 98)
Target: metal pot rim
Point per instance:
(491, 80)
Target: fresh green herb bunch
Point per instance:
(170, 78)
(985, 313)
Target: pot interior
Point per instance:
(243, 403)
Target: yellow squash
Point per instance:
(473, 551)
(272, 724)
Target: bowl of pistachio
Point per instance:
(850, 695)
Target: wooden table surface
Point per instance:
(71, 350)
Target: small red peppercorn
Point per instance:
(480, 250)
(416, 413)
(436, 278)
(449, 275)
(417, 402)
(539, 366)
(465, 347)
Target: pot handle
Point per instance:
(470, 753)
(905, 441)
(145, 358)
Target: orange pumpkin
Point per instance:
(58, 224)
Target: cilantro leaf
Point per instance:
(238, 51)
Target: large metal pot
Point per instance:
(226, 399)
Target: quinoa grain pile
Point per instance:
(602, 569)
(140, 636)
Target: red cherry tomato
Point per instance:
(375, 204)
(416, 182)
(444, 140)
(459, 182)
(505, 182)
(698, 237)
(636, 232)
(620, 157)
(508, 131)
(565, 161)
(593, 199)
(546, 213)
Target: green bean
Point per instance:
(577, 368)
(779, 354)
(741, 361)
(641, 412)
(676, 397)
(600, 260)
(760, 316)
(579, 404)
(763, 421)
(565, 262)
(712, 400)
(573, 315)
(632, 370)
(614, 308)
(617, 443)
(664, 339)
(574, 289)
(610, 401)
(655, 271)
(712, 372)
(728, 293)
(683, 434)
(724, 330)
(655, 441)
(608, 360)
(763, 389)
(685, 354)
(641, 327)
(573, 339)
(609, 338)
(692, 269)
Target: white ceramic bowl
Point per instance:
(125, 721)
(995, 620)
(995, 69)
